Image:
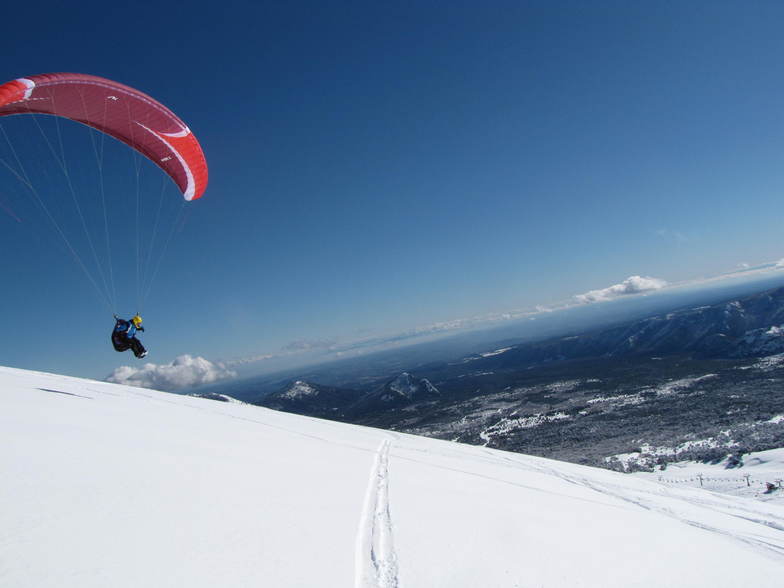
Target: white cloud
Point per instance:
(252, 359)
(309, 344)
(184, 372)
(674, 236)
(631, 285)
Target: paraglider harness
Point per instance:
(124, 337)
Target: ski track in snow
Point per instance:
(376, 559)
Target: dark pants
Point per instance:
(123, 343)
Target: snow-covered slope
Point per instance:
(105, 485)
(748, 477)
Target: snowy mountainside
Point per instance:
(757, 475)
(216, 396)
(321, 401)
(686, 373)
(409, 387)
(300, 389)
(313, 399)
(745, 327)
(402, 392)
(109, 485)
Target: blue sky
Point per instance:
(379, 166)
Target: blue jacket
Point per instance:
(127, 328)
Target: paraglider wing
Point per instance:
(126, 114)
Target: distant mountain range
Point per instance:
(693, 373)
(325, 401)
(748, 327)
(312, 400)
(752, 326)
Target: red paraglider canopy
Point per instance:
(126, 114)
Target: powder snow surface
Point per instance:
(108, 485)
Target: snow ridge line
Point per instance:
(376, 559)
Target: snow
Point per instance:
(300, 390)
(407, 386)
(675, 386)
(507, 425)
(619, 400)
(765, 364)
(496, 352)
(749, 479)
(648, 453)
(667, 389)
(404, 384)
(485, 354)
(216, 396)
(111, 485)
(564, 386)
